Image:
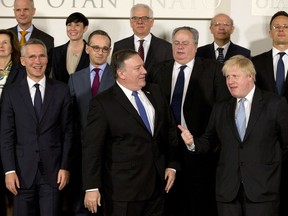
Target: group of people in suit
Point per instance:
(122, 154)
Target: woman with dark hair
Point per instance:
(71, 56)
(10, 71)
(10, 68)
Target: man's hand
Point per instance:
(63, 178)
(12, 182)
(170, 175)
(186, 135)
(92, 200)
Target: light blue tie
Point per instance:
(142, 111)
(241, 118)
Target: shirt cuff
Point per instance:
(191, 147)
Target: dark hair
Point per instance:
(118, 58)
(279, 13)
(99, 32)
(76, 18)
(15, 52)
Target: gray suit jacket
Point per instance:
(80, 89)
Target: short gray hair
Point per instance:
(194, 32)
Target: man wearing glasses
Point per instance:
(150, 48)
(271, 68)
(192, 85)
(222, 48)
(84, 85)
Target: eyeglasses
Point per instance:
(143, 18)
(183, 43)
(216, 24)
(279, 27)
(104, 49)
(34, 57)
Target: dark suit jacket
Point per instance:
(208, 51)
(46, 38)
(265, 73)
(59, 69)
(257, 159)
(25, 142)
(16, 74)
(159, 50)
(80, 90)
(119, 154)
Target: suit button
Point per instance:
(241, 163)
(37, 151)
(241, 146)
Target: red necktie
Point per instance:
(96, 82)
(141, 49)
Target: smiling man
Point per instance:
(24, 10)
(36, 135)
(192, 85)
(130, 144)
(154, 50)
(222, 27)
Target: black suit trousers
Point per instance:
(41, 197)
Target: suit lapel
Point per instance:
(212, 51)
(26, 97)
(256, 109)
(127, 105)
(107, 79)
(48, 96)
(231, 117)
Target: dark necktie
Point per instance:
(176, 102)
(280, 73)
(96, 82)
(141, 49)
(37, 100)
(241, 118)
(220, 57)
(142, 111)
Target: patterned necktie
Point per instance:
(241, 118)
(280, 73)
(176, 102)
(96, 82)
(23, 39)
(220, 57)
(141, 49)
(37, 100)
(142, 111)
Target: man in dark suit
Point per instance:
(222, 27)
(204, 84)
(252, 132)
(130, 143)
(24, 11)
(266, 67)
(36, 141)
(155, 49)
(71, 56)
(80, 83)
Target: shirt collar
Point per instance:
(225, 47)
(31, 82)
(276, 51)
(30, 29)
(249, 96)
(101, 67)
(147, 38)
(189, 64)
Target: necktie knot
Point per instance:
(142, 111)
(23, 39)
(96, 82)
(220, 57)
(281, 54)
(141, 49)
